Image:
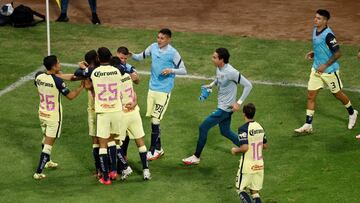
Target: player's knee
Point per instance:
(155, 121)
(142, 149)
(311, 96)
(224, 131)
(203, 127)
(47, 149)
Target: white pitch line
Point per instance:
(30, 76)
(20, 82)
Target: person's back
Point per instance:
(252, 161)
(49, 87)
(105, 81)
(250, 175)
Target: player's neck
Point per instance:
(222, 65)
(248, 120)
(320, 28)
(51, 72)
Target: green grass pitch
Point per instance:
(321, 167)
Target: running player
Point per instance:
(166, 62)
(227, 79)
(325, 70)
(50, 110)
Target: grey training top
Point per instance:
(227, 79)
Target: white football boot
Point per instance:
(126, 173)
(157, 154)
(51, 164)
(306, 128)
(352, 120)
(39, 176)
(147, 174)
(191, 160)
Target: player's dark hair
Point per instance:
(123, 50)
(249, 110)
(91, 57)
(223, 53)
(104, 55)
(115, 61)
(50, 61)
(324, 13)
(166, 31)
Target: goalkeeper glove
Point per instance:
(205, 92)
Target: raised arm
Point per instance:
(74, 93)
(141, 56)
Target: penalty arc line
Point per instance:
(30, 76)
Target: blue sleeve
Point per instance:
(61, 86)
(243, 134)
(332, 43)
(129, 68)
(83, 73)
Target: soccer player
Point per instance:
(132, 122)
(50, 110)
(120, 60)
(251, 168)
(227, 79)
(91, 58)
(325, 70)
(166, 62)
(106, 83)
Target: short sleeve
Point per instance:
(243, 134)
(61, 86)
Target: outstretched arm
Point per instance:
(141, 56)
(74, 93)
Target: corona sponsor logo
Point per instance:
(252, 132)
(101, 74)
(42, 83)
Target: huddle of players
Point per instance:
(112, 108)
